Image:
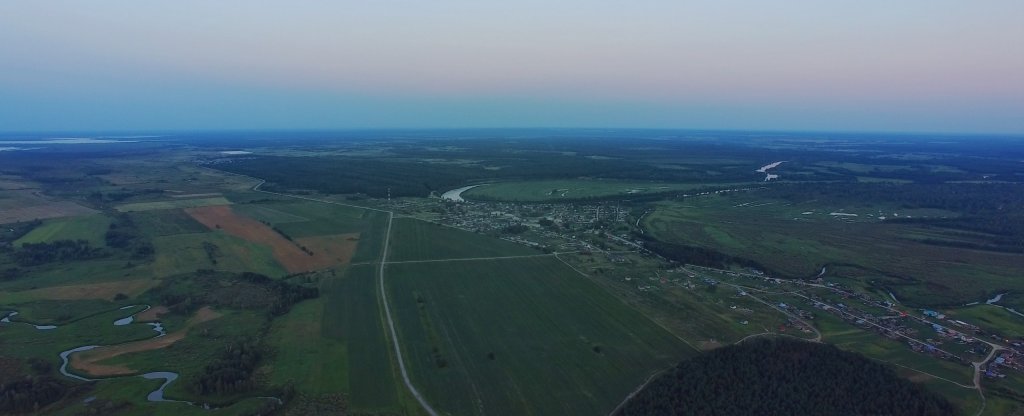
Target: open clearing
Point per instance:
(352, 316)
(521, 336)
(327, 251)
(160, 223)
(17, 206)
(303, 356)
(184, 253)
(87, 227)
(90, 361)
(173, 204)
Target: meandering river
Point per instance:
(456, 194)
(168, 376)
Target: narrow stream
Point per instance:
(7, 320)
(168, 376)
(155, 396)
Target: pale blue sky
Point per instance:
(910, 65)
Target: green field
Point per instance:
(845, 336)
(317, 218)
(173, 204)
(303, 356)
(86, 227)
(992, 319)
(521, 336)
(81, 272)
(133, 390)
(352, 316)
(159, 223)
(797, 240)
(554, 190)
(413, 239)
(184, 253)
(705, 316)
(23, 341)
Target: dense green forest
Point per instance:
(783, 377)
(184, 294)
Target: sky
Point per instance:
(842, 65)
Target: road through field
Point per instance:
(383, 297)
(391, 322)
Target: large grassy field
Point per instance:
(848, 337)
(159, 223)
(570, 189)
(522, 336)
(799, 239)
(183, 253)
(303, 356)
(86, 227)
(992, 319)
(413, 239)
(352, 316)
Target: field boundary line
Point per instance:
(526, 256)
(641, 387)
(391, 323)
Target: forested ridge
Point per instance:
(783, 377)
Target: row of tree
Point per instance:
(34, 254)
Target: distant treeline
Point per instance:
(783, 377)
(409, 177)
(996, 209)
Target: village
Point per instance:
(604, 229)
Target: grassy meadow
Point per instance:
(799, 239)
(522, 336)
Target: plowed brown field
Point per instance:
(328, 251)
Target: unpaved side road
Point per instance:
(391, 323)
